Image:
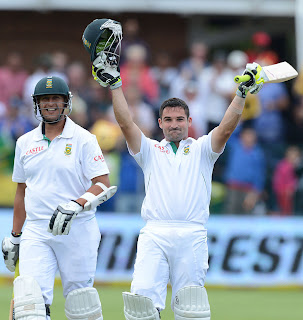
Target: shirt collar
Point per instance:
(67, 132)
(164, 142)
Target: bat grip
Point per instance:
(239, 79)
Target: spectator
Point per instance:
(220, 88)
(285, 180)
(77, 79)
(295, 123)
(59, 62)
(190, 69)
(136, 72)
(245, 173)
(196, 109)
(98, 102)
(164, 74)
(15, 124)
(12, 126)
(131, 36)
(12, 78)
(270, 124)
(261, 51)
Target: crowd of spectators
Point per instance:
(260, 171)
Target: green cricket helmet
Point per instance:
(102, 38)
(52, 85)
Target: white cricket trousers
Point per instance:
(174, 251)
(75, 255)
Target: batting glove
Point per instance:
(108, 76)
(255, 84)
(10, 250)
(62, 218)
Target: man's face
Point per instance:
(174, 124)
(51, 107)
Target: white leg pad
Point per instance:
(192, 303)
(139, 307)
(28, 300)
(83, 304)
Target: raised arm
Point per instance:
(233, 113)
(228, 124)
(130, 130)
(110, 76)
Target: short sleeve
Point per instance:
(92, 159)
(142, 156)
(207, 150)
(18, 172)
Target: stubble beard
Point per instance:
(175, 135)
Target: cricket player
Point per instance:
(177, 171)
(62, 177)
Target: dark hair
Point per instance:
(174, 103)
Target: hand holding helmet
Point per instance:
(102, 39)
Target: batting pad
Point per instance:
(83, 304)
(28, 300)
(192, 303)
(137, 307)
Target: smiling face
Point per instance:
(174, 124)
(52, 107)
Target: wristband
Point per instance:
(15, 238)
(15, 234)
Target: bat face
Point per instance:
(279, 72)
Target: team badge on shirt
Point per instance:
(68, 150)
(186, 150)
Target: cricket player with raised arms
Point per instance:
(61, 178)
(172, 246)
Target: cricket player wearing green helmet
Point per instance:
(61, 178)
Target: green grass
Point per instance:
(226, 304)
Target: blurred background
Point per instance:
(191, 50)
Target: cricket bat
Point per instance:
(278, 72)
(11, 310)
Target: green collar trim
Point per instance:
(173, 145)
(46, 138)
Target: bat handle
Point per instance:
(239, 79)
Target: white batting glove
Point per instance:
(108, 76)
(255, 84)
(10, 250)
(62, 218)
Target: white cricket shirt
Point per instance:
(177, 186)
(57, 172)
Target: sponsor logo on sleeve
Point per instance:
(99, 158)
